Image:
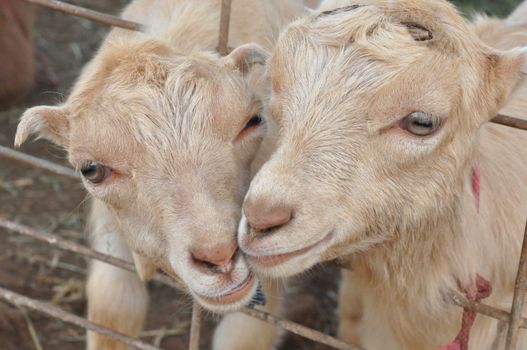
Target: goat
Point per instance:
(385, 159)
(163, 131)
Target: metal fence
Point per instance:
(513, 319)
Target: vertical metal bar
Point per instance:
(519, 296)
(195, 327)
(225, 21)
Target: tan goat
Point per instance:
(164, 131)
(385, 158)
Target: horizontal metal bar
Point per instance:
(300, 330)
(456, 298)
(37, 162)
(511, 122)
(90, 253)
(88, 14)
(500, 315)
(53, 311)
(63, 244)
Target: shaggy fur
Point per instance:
(165, 113)
(399, 207)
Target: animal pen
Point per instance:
(511, 322)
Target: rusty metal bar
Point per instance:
(300, 330)
(225, 20)
(519, 297)
(53, 311)
(195, 327)
(82, 250)
(38, 163)
(88, 14)
(511, 122)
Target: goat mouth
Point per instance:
(274, 260)
(232, 296)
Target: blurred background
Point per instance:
(492, 7)
(42, 52)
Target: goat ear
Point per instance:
(244, 57)
(508, 71)
(145, 269)
(47, 122)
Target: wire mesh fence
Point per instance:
(512, 319)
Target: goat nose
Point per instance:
(216, 259)
(262, 218)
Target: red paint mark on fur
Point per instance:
(479, 290)
(476, 183)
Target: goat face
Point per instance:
(377, 106)
(166, 142)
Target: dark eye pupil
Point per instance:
(423, 123)
(420, 124)
(255, 121)
(94, 172)
(89, 170)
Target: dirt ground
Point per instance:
(42, 200)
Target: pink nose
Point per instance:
(216, 259)
(263, 218)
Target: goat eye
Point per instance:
(253, 122)
(95, 172)
(420, 124)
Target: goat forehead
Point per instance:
(381, 28)
(339, 82)
(363, 60)
(349, 72)
(184, 94)
(130, 135)
(433, 14)
(160, 116)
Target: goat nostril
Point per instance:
(263, 219)
(214, 260)
(211, 267)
